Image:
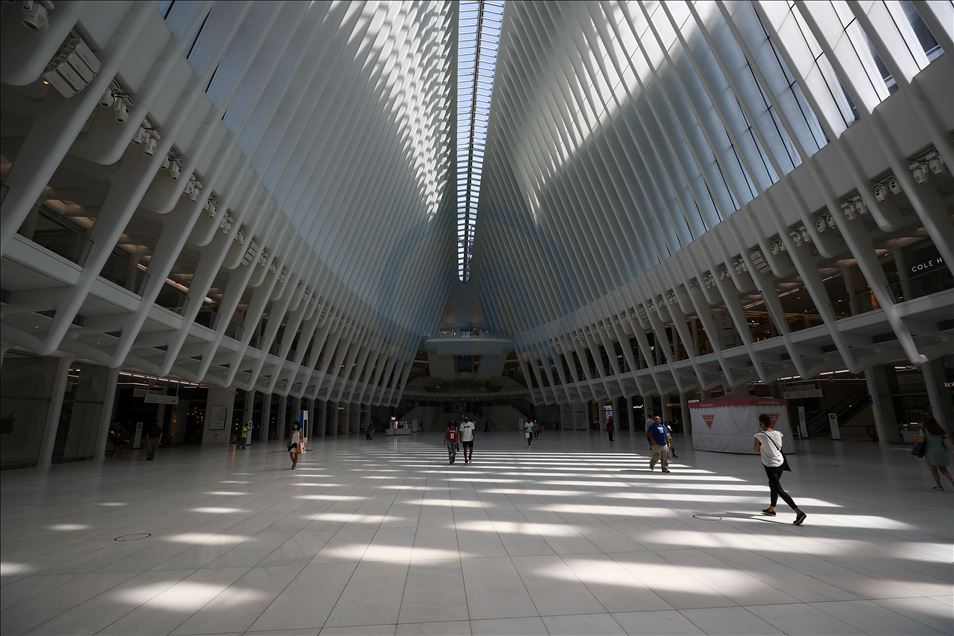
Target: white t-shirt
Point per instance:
(771, 453)
(528, 427)
(467, 431)
(296, 437)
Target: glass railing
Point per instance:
(916, 286)
(172, 298)
(206, 316)
(459, 333)
(235, 331)
(58, 234)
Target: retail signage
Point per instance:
(798, 394)
(159, 398)
(927, 265)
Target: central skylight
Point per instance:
(478, 35)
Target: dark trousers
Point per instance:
(774, 474)
(610, 435)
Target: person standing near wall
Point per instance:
(610, 427)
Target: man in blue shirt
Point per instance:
(659, 437)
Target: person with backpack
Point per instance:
(768, 443)
(451, 440)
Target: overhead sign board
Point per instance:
(159, 398)
(796, 394)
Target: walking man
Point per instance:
(467, 432)
(610, 427)
(528, 431)
(659, 438)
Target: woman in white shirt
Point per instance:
(768, 442)
(294, 448)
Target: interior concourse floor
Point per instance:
(571, 536)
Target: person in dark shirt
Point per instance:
(153, 434)
(659, 437)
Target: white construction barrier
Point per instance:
(727, 424)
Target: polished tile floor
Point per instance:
(572, 536)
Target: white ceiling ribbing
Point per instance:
(624, 133)
(321, 146)
(647, 166)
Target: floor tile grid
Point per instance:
(515, 503)
(212, 523)
(793, 602)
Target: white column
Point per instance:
(684, 415)
(282, 415)
(45, 457)
(249, 406)
(264, 420)
(941, 406)
(106, 418)
(886, 432)
(218, 399)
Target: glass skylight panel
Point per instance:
(478, 35)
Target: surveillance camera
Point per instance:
(120, 110)
(107, 99)
(150, 146)
(33, 15)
